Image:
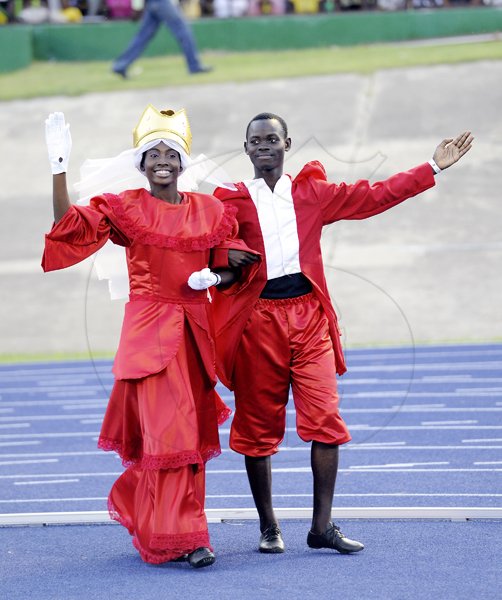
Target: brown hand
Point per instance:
(451, 150)
(240, 258)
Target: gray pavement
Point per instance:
(426, 271)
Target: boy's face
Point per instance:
(265, 144)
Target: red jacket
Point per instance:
(317, 203)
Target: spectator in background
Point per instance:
(156, 12)
(7, 12)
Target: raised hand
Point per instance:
(58, 140)
(451, 150)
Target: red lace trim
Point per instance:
(188, 244)
(133, 457)
(130, 457)
(223, 415)
(170, 461)
(164, 547)
(180, 542)
(210, 453)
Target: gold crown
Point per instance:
(164, 124)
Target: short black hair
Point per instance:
(266, 116)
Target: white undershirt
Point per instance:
(276, 213)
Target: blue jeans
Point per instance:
(155, 13)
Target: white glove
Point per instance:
(58, 140)
(201, 280)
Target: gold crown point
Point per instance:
(164, 124)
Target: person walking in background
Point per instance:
(163, 413)
(284, 324)
(156, 13)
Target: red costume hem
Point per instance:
(180, 244)
(165, 547)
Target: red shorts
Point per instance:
(286, 343)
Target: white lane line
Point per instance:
(365, 427)
(477, 440)
(464, 422)
(63, 454)
(48, 475)
(6, 410)
(91, 421)
(397, 465)
(495, 390)
(349, 380)
(414, 409)
(368, 495)
(11, 425)
(460, 366)
(86, 369)
(419, 427)
(491, 462)
(419, 353)
(361, 470)
(46, 482)
(408, 394)
(79, 392)
(88, 405)
(368, 446)
(5, 436)
(5, 463)
(43, 500)
(4, 444)
(97, 402)
(85, 389)
(49, 418)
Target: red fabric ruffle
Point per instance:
(180, 244)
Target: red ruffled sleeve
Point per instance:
(81, 232)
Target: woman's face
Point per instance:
(161, 165)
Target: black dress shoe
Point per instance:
(201, 69)
(202, 557)
(271, 541)
(120, 72)
(333, 538)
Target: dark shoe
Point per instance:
(201, 69)
(333, 538)
(271, 541)
(202, 557)
(121, 72)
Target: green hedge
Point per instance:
(104, 41)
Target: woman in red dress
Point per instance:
(163, 413)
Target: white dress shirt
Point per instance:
(276, 213)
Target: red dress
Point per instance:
(163, 413)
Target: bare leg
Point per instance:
(324, 462)
(259, 470)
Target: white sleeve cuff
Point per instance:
(433, 164)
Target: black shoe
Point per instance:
(271, 541)
(333, 538)
(202, 557)
(201, 69)
(121, 72)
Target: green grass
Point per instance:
(77, 78)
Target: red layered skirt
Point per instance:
(165, 428)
